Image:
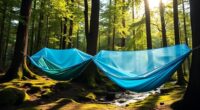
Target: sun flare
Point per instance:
(155, 3)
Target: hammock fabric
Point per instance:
(141, 71)
(61, 64)
(137, 71)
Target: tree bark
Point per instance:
(162, 18)
(64, 37)
(109, 26)
(185, 34)
(6, 42)
(180, 75)
(86, 18)
(77, 34)
(47, 32)
(184, 23)
(77, 38)
(32, 30)
(2, 26)
(89, 75)
(94, 28)
(176, 22)
(114, 27)
(123, 40)
(148, 24)
(61, 35)
(18, 68)
(191, 98)
(133, 18)
(70, 34)
(40, 26)
(71, 27)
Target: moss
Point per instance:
(47, 93)
(91, 96)
(12, 96)
(27, 73)
(64, 100)
(96, 107)
(169, 95)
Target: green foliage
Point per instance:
(111, 17)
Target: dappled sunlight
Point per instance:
(155, 3)
(97, 54)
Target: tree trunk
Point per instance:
(71, 27)
(109, 27)
(77, 38)
(47, 32)
(180, 75)
(61, 35)
(99, 42)
(185, 33)
(77, 34)
(191, 98)
(32, 30)
(6, 42)
(2, 26)
(94, 28)
(123, 40)
(148, 24)
(40, 26)
(89, 76)
(114, 27)
(162, 18)
(133, 18)
(64, 34)
(176, 22)
(71, 23)
(184, 23)
(18, 68)
(70, 34)
(86, 18)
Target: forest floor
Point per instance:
(47, 94)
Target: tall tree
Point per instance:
(180, 75)
(176, 22)
(133, 17)
(18, 68)
(39, 41)
(191, 98)
(162, 19)
(32, 28)
(47, 32)
(71, 27)
(114, 25)
(89, 75)
(184, 22)
(86, 18)
(69, 45)
(7, 41)
(2, 28)
(123, 23)
(185, 31)
(148, 24)
(64, 37)
(109, 26)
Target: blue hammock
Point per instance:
(61, 64)
(141, 71)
